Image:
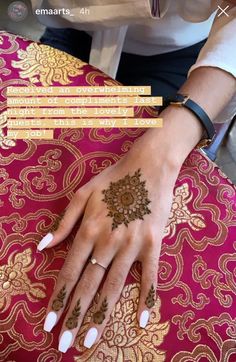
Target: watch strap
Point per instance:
(185, 101)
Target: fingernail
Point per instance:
(144, 317)
(45, 241)
(65, 341)
(50, 321)
(90, 337)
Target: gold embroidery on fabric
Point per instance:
(194, 331)
(180, 213)
(14, 279)
(95, 168)
(44, 64)
(209, 278)
(182, 321)
(5, 142)
(123, 339)
(92, 75)
(107, 135)
(71, 135)
(127, 199)
(186, 298)
(126, 146)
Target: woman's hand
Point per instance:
(138, 207)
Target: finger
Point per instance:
(68, 276)
(82, 298)
(72, 213)
(148, 286)
(110, 294)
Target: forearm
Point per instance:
(212, 89)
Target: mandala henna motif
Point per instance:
(127, 199)
(150, 300)
(72, 321)
(57, 304)
(99, 316)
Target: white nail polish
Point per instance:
(50, 321)
(45, 241)
(144, 317)
(65, 341)
(90, 337)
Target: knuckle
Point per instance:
(115, 282)
(130, 242)
(150, 241)
(83, 192)
(79, 194)
(111, 242)
(87, 230)
(68, 272)
(87, 283)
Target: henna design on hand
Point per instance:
(150, 300)
(72, 321)
(99, 316)
(57, 221)
(127, 199)
(57, 304)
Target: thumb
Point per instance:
(73, 213)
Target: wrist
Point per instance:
(180, 133)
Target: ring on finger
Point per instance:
(94, 262)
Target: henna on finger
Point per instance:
(58, 303)
(99, 316)
(72, 321)
(150, 300)
(57, 221)
(127, 199)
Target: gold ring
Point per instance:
(94, 261)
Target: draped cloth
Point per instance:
(194, 318)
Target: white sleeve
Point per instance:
(220, 51)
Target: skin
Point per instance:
(141, 240)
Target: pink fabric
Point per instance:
(195, 315)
